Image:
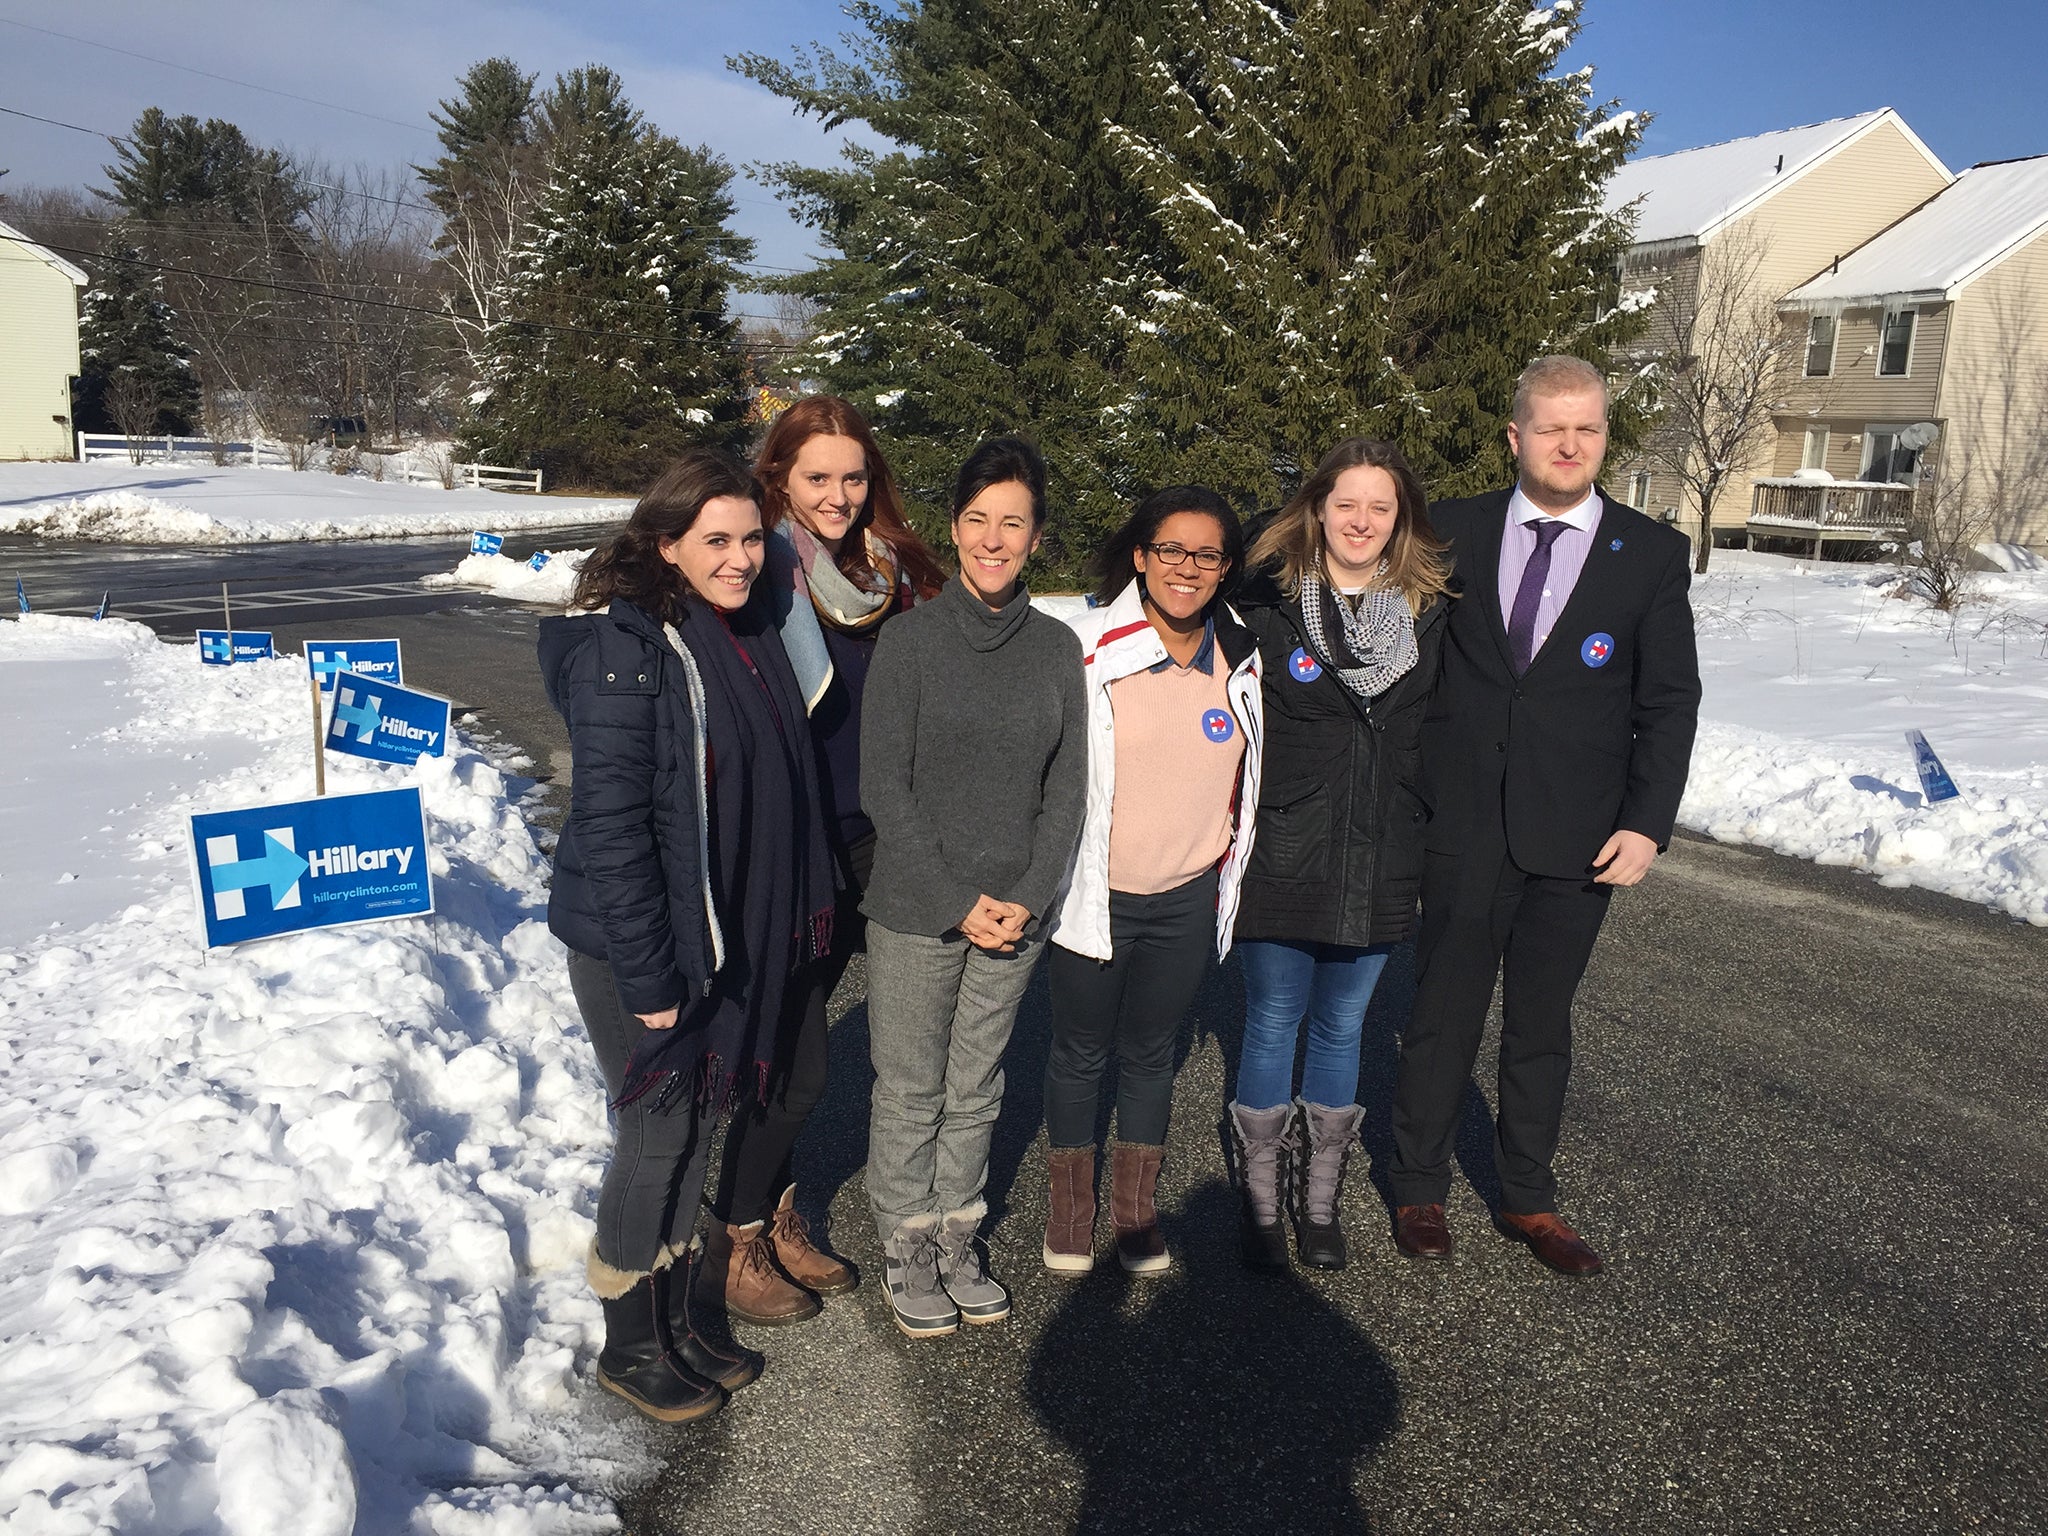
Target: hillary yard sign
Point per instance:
(481, 543)
(384, 722)
(321, 863)
(374, 659)
(223, 647)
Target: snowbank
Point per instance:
(114, 502)
(551, 584)
(291, 1236)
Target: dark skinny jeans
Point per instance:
(1132, 1004)
(761, 1140)
(648, 1200)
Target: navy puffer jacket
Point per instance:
(630, 882)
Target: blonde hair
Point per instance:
(1556, 375)
(1418, 562)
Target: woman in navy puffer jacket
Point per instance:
(691, 882)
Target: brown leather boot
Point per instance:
(1070, 1217)
(740, 1275)
(812, 1267)
(1133, 1178)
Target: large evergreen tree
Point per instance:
(1202, 239)
(484, 130)
(135, 376)
(171, 169)
(616, 350)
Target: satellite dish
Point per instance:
(1919, 435)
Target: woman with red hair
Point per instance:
(841, 561)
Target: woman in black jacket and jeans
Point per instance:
(691, 881)
(1349, 618)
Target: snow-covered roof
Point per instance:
(9, 233)
(1969, 226)
(1690, 194)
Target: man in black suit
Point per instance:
(1553, 759)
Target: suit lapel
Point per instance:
(1584, 597)
(1485, 571)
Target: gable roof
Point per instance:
(1963, 230)
(1689, 195)
(14, 236)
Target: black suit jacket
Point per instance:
(1596, 736)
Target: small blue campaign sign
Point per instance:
(481, 543)
(1935, 782)
(384, 722)
(321, 863)
(374, 659)
(219, 648)
(537, 560)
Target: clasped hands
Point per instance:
(997, 926)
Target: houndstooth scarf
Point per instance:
(1380, 634)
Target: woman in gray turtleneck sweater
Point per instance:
(974, 770)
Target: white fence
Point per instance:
(488, 477)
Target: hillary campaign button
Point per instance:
(1217, 724)
(1597, 649)
(1306, 668)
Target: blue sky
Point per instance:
(1964, 73)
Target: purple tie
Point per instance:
(1529, 595)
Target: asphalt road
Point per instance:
(1806, 1129)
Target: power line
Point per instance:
(315, 293)
(396, 202)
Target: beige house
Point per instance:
(1722, 232)
(1925, 359)
(39, 298)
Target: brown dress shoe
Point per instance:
(1421, 1232)
(803, 1261)
(1552, 1241)
(740, 1275)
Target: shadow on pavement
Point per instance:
(1211, 1399)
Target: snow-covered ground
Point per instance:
(291, 1236)
(113, 501)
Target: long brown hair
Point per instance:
(628, 564)
(1418, 561)
(828, 415)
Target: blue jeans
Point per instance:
(1329, 983)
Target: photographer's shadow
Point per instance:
(1211, 1398)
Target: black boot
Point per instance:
(636, 1362)
(1262, 1140)
(728, 1365)
(1327, 1137)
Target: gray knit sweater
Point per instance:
(973, 760)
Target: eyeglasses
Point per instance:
(1173, 554)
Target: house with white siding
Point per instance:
(39, 301)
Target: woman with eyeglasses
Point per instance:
(1174, 725)
(1351, 592)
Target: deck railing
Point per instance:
(1843, 507)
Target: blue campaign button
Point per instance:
(1304, 667)
(1598, 650)
(1217, 724)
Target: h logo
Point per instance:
(364, 716)
(278, 867)
(217, 647)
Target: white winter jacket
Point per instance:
(1117, 641)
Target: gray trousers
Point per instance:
(940, 1013)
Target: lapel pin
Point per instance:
(1616, 545)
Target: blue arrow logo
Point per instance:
(364, 716)
(278, 867)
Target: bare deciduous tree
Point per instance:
(1723, 355)
(134, 402)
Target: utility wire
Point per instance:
(375, 197)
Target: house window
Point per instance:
(1815, 454)
(1885, 459)
(1820, 346)
(1896, 349)
(1639, 490)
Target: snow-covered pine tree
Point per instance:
(1202, 239)
(136, 377)
(616, 350)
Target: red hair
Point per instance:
(828, 415)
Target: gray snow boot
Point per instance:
(911, 1274)
(1328, 1137)
(1263, 1141)
(964, 1273)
